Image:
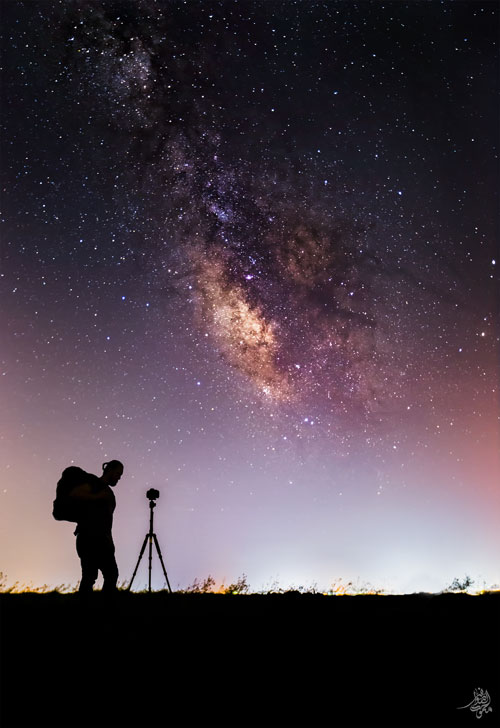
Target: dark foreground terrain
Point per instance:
(248, 660)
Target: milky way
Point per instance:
(281, 272)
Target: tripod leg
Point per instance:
(138, 561)
(161, 562)
(150, 567)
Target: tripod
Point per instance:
(151, 536)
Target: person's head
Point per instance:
(112, 472)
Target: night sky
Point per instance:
(251, 250)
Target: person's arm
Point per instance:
(92, 491)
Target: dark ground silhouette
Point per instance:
(253, 660)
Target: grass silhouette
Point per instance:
(208, 585)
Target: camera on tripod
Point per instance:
(151, 539)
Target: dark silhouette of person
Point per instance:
(94, 540)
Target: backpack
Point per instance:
(66, 508)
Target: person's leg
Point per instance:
(108, 566)
(85, 548)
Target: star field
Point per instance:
(251, 250)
